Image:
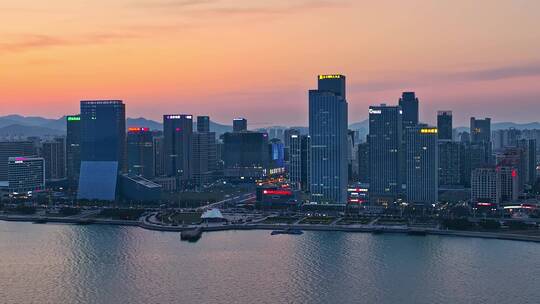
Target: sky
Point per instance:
(258, 59)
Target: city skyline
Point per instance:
(190, 57)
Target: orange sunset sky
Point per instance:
(257, 59)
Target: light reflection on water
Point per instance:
(107, 264)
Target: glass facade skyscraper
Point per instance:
(328, 136)
(422, 164)
(409, 105)
(385, 154)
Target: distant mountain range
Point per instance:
(23, 126)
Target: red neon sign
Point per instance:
(277, 192)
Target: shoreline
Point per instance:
(307, 227)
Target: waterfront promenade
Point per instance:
(149, 221)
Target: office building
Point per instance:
(26, 174)
(449, 163)
(246, 154)
(385, 155)
(508, 184)
(140, 152)
(73, 149)
(204, 152)
(444, 125)
(484, 185)
(103, 148)
(409, 105)
(422, 164)
(480, 130)
(363, 163)
(328, 136)
(178, 134)
(529, 149)
(53, 152)
(13, 149)
(203, 124)
(299, 163)
(239, 124)
(159, 158)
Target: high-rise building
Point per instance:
(480, 130)
(54, 155)
(385, 156)
(178, 133)
(508, 188)
(73, 149)
(422, 164)
(103, 148)
(449, 163)
(13, 149)
(484, 185)
(363, 163)
(444, 125)
(140, 152)
(287, 140)
(203, 124)
(249, 149)
(103, 131)
(529, 147)
(333, 84)
(299, 161)
(204, 151)
(409, 105)
(159, 158)
(328, 135)
(239, 124)
(26, 174)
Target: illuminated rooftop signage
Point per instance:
(178, 116)
(334, 76)
(73, 118)
(428, 131)
(373, 111)
(138, 129)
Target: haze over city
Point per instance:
(258, 59)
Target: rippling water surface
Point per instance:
(107, 264)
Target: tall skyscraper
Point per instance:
(328, 135)
(409, 105)
(422, 164)
(203, 124)
(449, 163)
(140, 152)
(444, 125)
(103, 131)
(529, 147)
(204, 151)
(73, 149)
(178, 133)
(246, 154)
(385, 154)
(332, 83)
(103, 148)
(363, 163)
(239, 124)
(480, 130)
(55, 159)
(299, 161)
(159, 158)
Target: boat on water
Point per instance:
(287, 231)
(191, 235)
